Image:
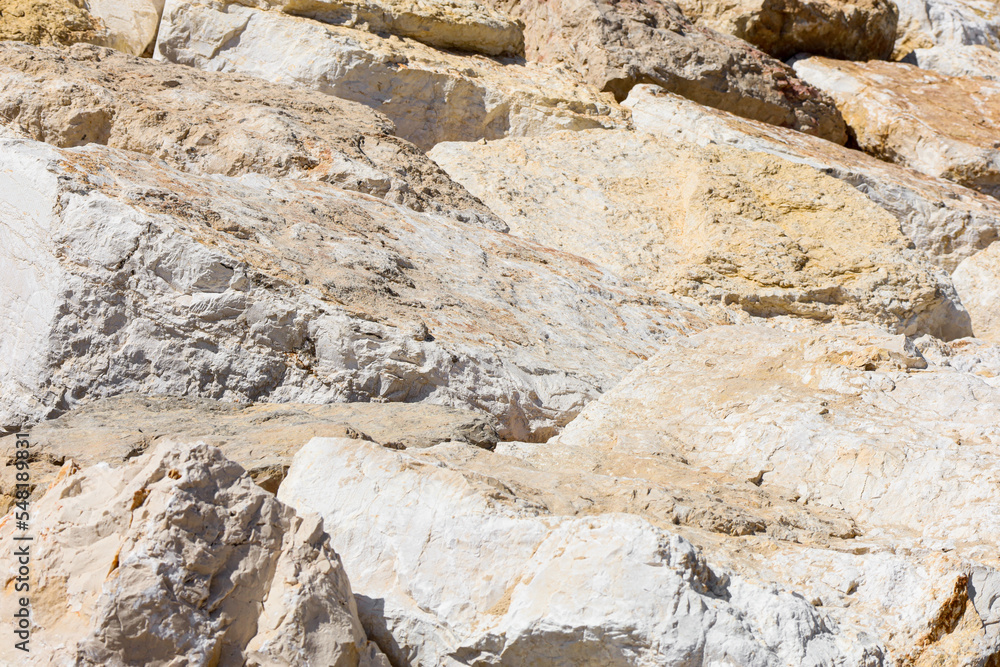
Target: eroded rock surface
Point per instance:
(48, 22)
(717, 224)
(783, 28)
(977, 280)
(180, 558)
(946, 23)
(958, 60)
(940, 125)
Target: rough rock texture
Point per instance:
(206, 122)
(446, 24)
(958, 60)
(947, 221)
(783, 28)
(718, 224)
(125, 275)
(947, 23)
(940, 125)
(977, 280)
(179, 558)
(430, 95)
(128, 25)
(46, 22)
(616, 45)
(261, 438)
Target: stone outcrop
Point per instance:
(430, 95)
(948, 23)
(206, 122)
(126, 25)
(178, 558)
(717, 224)
(940, 125)
(616, 45)
(946, 221)
(125, 275)
(783, 28)
(958, 60)
(977, 280)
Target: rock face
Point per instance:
(718, 224)
(46, 22)
(616, 45)
(958, 60)
(946, 23)
(129, 276)
(977, 280)
(205, 122)
(430, 95)
(179, 557)
(783, 28)
(943, 126)
(946, 221)
(128, 25)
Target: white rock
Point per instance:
(129, 25)
(947, 23)
(958, 60)
(977, 280)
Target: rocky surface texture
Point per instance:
(977, 280)
(717, 224)
(47, 22)
(940, 125)
(783, 28)
(973, 60)
(948, 23)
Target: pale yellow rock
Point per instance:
(848, 29)
(129, 25)
(51, 22)
(925, 24)
(718, 224)
(977, 280)
(940, 125)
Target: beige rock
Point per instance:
(51, 22)
(616, 45)
(128, 25)
(430, 95)
(178, 558)
(783, 28)
(977, 280)
(946, 23)
(946, 221)
(940, 125)
(718, 224)
(958, 60)
(207, 122)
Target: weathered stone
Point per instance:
(718, 224)
(783, 28)
(430, 95)
(928, 23)
(977, 280)
(179, 558)
(125, 275)
(958, 60)
(616, 45)
(940, 125)
(128, 25)
(947, 221)
(51, 22)
(208, 122)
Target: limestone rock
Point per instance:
(835, 28)
(128, 25)
(125, 275)
(51, 22)
(947, 23)
(977, 280)
(940, 125)
(179, 557)
(715, 223)
(430, 95)
(958, 60)
(207, 122)
(946, 221)
(616, 45)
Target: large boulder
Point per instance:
(945, 220)
(430, 95)
(616, 45)
(208, 122)
(977, 280)
(178, 558)
(941, 125)
(126, 275)
(946, 23)
(126, 25)
(958, 60)
(721, 225)
(783, 28)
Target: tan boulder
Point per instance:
(959, 60)
(783, 28)
(209, 122)
(616, 45)
(50, 22)
(940, 125)
(128, 25)
(977, 280)
(178, 558)
(718, 224)
(430, 95)
(948, 23)
(945, 220)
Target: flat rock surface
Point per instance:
(940, 125)
(977, 280)
(717, 224)
(958, 60)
